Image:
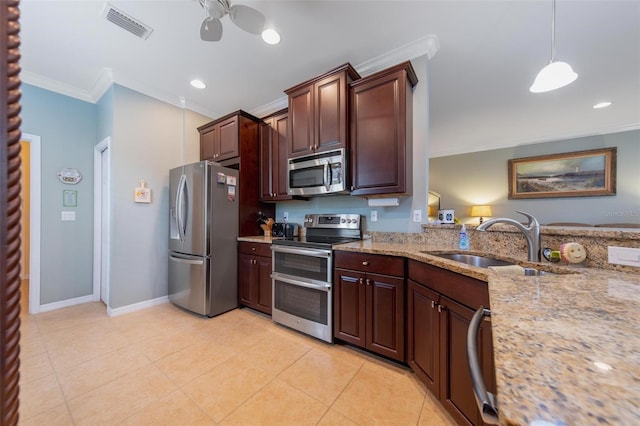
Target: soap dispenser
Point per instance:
(463, 239)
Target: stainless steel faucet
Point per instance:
(531, 232)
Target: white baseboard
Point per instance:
(66, 303)
(112, 312)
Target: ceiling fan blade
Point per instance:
(247, 18)
(211, 29)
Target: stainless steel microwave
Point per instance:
(318, 174)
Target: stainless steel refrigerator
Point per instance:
(203, 232)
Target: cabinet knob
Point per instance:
(365, 263)
(361, 281)
(253, 249)
(439, 308)
(368, 281)
(433, 304)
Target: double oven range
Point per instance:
(302, 273)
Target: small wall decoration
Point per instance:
(69, 176)
(69, 198)
(573, 174)
(142, 194)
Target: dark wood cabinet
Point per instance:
(254, 276)
(219, 139)
(319, 112)
(273, 157)
(382, 132)
(237, 140)
(369, 302)
(440, 305)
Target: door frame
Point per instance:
(35, 166)
(101, 279)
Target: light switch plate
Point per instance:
(68, 216)
(285, 216)
(417, 216)
(374, 215)
(624, 256)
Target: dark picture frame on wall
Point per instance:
(573, 174)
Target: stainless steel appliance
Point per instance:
(302, 273)
(203, 232)
(318, 174)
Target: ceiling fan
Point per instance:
(245, 17)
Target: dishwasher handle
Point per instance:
(486, 401)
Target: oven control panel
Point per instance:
(340, 221)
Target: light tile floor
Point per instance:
(163, 366)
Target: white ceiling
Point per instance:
(489, 53)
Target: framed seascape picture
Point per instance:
(573, 174)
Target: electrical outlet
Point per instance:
(374, 215)
(624, 256)
(417, 215)
(285, 216)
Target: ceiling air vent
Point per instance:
(126, 22)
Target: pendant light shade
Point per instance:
(556, 74)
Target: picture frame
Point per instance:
(142, 195)
(69, 198)
(574, 174)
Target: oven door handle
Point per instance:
(323, 287)
(302, 252)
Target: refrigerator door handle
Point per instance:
(182, 186)
(185, 260)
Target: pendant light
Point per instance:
(556, 74)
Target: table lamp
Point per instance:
(481, 211)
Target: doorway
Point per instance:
(25, 159)
(30, 193)
(101, 170)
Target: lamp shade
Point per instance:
(480, 211)
(554, 76)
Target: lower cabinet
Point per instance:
(440, 305)
(254, 275)
(369, 302)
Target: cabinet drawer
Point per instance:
(256, 249)
(380, 264)
(466, 290)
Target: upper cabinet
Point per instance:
(219, 139)
(273, 157)
(381, 131)
(319, 112)
(233, 141)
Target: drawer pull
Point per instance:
(365, 263)
(433, 304)
(368, 281)
(361, 281)
(253, 249)
(439, 308)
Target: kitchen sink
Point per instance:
(471, 259)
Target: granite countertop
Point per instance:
(566, 345)
(258, 239)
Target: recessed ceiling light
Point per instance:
(198, 84)
(271, 36)
(601, 105)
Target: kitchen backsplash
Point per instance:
(503, 239)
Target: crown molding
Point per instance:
(428, 45)
(55, 86)
(271, 107)
(436, 153)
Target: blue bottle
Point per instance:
(463, 239)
